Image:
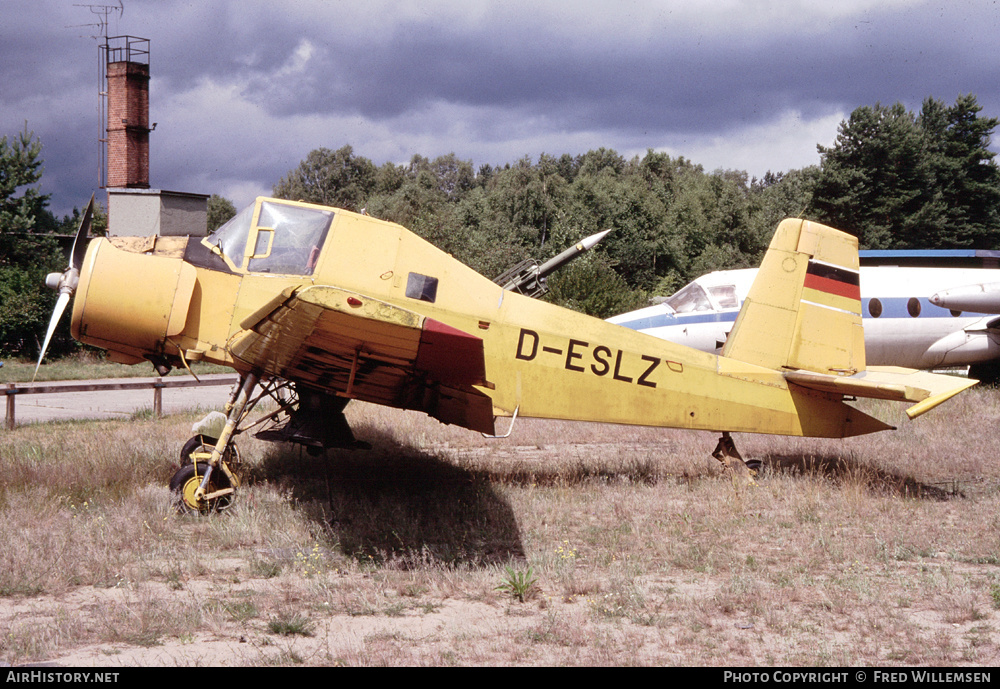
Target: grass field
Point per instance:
(566, 544)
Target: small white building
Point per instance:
(148, 212)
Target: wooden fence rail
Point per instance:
(12, 390)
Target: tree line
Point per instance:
(894, 178)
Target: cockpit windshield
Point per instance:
(231, 238)
(286, 240)
(725, 296)
(298, 235)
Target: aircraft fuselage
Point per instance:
(902, 326)
(176, 300)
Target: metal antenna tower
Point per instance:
(103, 14)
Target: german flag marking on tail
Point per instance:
(833, 287)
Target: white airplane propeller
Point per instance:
(67, 281)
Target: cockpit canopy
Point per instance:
(272, 237)
(694, 297)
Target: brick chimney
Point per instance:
(128, 124)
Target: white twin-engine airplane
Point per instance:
(915, 317)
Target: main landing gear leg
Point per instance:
(204, 487)
(731, 458)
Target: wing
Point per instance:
(342, 342)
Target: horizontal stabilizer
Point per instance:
(888, 383)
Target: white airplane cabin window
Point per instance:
(725, 296)
(689, 299)
(874, 307)
(298, 235)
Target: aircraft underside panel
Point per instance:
(337, 341)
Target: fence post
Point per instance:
(158, 397)
(10, 406)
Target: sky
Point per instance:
(243, 90)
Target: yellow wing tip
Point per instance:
(934, 400)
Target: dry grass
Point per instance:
(877, 550)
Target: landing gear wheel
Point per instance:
(199, 449)
(185, 482)
(195, 446)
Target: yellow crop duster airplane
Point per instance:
(314, 306)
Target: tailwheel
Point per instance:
(185, 483)
(732, 460)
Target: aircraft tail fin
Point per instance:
(803, 317)
(803, 311)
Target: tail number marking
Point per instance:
(582, 357)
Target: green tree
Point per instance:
(70, 224)
(620, 202)
(220, 210)
(902, 181)
(20, 170)
(875, 180)
(330, 178)
(454, 177)
(524, 202)
(27, 252)
(773, 198)
(592, 286)
(966, 202)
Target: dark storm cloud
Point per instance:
(687, 82)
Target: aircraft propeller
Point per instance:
(65, 282)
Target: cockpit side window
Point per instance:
(289, 239)
(689, 299)
(725, 296)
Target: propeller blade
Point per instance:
(66, 281)
(80, 242)
(53, 322)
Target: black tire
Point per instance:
(199, 448)
(199, 444)
(185, 482)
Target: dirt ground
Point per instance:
(642, 550)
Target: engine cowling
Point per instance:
(130, 303)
